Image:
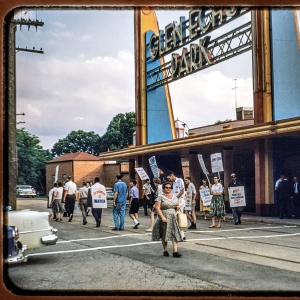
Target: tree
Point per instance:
(77, 141)
(119, 133)
(31, 159)
(220, 122)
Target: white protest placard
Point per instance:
(204, 170)
(142, 174)
(154, 167)
(205, 197)
(236, 196)
(99, 199)
(216, 162)
(56, 173)
(188, 199)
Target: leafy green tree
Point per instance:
(77, 141)
(31, 159)
(119, 132)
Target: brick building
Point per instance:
(84, 167)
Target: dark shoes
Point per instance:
(84, 223)
(166, 253)
(87, 212)
(236, 223)
(136, 226)
(176, 254)
(239, 222)
(193, 226)
(114, 228)
(98, 223)
(71, 217)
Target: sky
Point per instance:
(86, 74)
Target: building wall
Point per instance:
(285, 57)
(86, 171)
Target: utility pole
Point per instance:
(12, 161)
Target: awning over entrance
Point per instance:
(240, 137)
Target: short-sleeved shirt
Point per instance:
(134, 192)
(58, 193)
(120, 187)
(217, 188)
(83, 192)
(178, 185)
(147, 188)
(70, 186)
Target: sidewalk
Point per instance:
(253, 218)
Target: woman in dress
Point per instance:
(203, 208)
(166, 226)
(217, 203)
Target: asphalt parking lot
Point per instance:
(257, 256)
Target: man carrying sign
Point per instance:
(96, 189)
(236, 211)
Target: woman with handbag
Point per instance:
(166, 226)
(217, 203)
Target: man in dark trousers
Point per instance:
(296, 196)
(236, 211)
(96, 212)
(285, 191)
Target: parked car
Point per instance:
(109, 193)
(25, 190)
(30, 230)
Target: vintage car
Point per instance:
(29, 230)
(109, 193)
(25, 190)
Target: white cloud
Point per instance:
(59, 24)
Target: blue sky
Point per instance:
(86, 74)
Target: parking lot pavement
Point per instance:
(229, 259)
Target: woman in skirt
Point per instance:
(166, 226)
(217, 208)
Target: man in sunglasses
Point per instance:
(236, 211)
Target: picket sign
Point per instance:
(154, 167)
(216, 163)
(188, 200)
(204, 170)
(205, 197)
(142, 174)
(237, 196)
(99, 199)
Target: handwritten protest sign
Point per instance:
(237, 196)
(205, 196)
(142, 174)
(98, 197)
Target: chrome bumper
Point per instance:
(50, 239)
(21, 257)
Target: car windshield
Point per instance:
(23, 187)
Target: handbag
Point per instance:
(51, 204)
(182, 219)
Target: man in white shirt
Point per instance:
(97, 212)
(147, 190)
(191, 195)
(50, 197)
(178, 191)
(70, 191)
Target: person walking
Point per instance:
(134, 204)
(70, 191)
(191, 193)
(57, 206)
(217, 203)
(296, 196)
(88, 209)
(147, 190)
(236, 211)
(166, 226)
(157, 192)
(204, 208)
(285, 192)
(178, 191)
(96, 188)
(119, 203)
(82, 201)
(50, 198)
